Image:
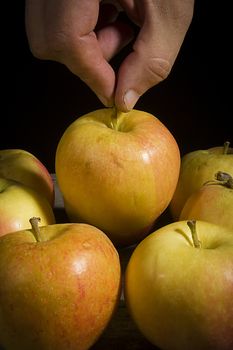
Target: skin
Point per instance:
(117, 172)
(18, 203)
(85, 34)
(212, 203)
(180, 296)
(59, 293)
(22, 166)
(198, 167)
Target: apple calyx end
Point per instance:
(35, 228)
(224, 179)
(192, 225)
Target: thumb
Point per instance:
(136, 75)
(154, 53)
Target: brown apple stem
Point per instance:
(192, 225)
(35, 228)
(226, 147)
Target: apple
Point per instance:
(18, 203)
(179, 286)
(117, 171)
(197, 167)
(23, 166)
(60, 285)
(213, 202)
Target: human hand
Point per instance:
(85, 34)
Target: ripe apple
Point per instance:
(179, 286)
(117, 171)
(213, 202)
(197, 167)
(18, 203)
(60, 285)
(23, 166)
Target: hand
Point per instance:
(85, 34)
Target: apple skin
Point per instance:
(18, 203)
(213, 202)
(21, 165)
(59, 293)
(197, 167)
(180, 296)
(117, 172)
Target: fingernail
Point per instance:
(105, 101)
(130, 99)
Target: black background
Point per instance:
(41, 98)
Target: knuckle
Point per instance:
(53, 45)
(57, 43)
(37, 48)
(158, 69)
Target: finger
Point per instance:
(138, 73)
(85, 59)
(154, 52)
(63, 31)
(114, 37)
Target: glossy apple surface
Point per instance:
(18, 203)
(213, 202)
(117, 171)
(23, 166)
(57, 293)
(197, 167)
(180, 295)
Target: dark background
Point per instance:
(41, 98)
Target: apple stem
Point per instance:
(114, 116)
(192, 225)
(226, 147)
(35, 228)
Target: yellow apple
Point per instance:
(23, 166)
(197, 167)
(117, 171)
(59, 287)
(212, 202)
(179, 286)
(18, 203)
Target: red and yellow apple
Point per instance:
(197, 167)
(212, 202)
(179, 286)
(60, 285)
(21, 165)
(117, 171)
(18, 203)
